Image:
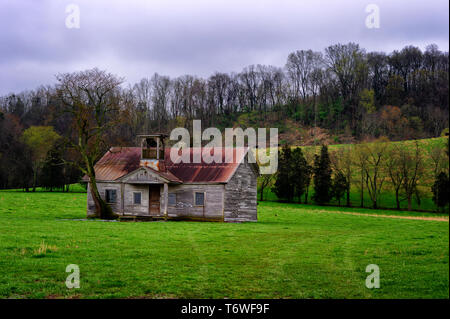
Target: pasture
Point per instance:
(293, 251)
(387, 196)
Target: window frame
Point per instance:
(108, 198)
(195, 198)
(168, 200)
(134, 198)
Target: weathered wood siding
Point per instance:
(135, 209)
(240, 195)
(125, 197)
(102, 187)
(231, 202)
(185, 204)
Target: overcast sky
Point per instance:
(135, 38)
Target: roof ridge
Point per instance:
(122, 160)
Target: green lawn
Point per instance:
(293, 251)
(386, 200)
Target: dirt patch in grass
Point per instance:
(440, 219)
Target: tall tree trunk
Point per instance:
(102, 209)
(397, 199)
(306, 194)
(348, 195)
(409, 202)
(362, 192)
(34, 178)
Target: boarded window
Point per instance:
(111, 196)
(199, 199)
(172, 199)
(137, 197)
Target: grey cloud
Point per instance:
(137, 38)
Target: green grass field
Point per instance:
(387, 200)
(293, 251)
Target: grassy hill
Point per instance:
(293, 251)
(387, 197)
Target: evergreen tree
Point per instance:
(340, 185)
(300, 173)
(309, 172)
(52, 174)
(441, 189)
(284, 188)
(322, 177)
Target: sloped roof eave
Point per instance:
(119, 162)
(160, 175)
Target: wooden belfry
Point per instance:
(152, 150)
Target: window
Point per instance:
(137, 197)
(111, 196)
(172, 199)
(199, 199)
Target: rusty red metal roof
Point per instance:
(120, 161)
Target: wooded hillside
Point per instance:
(341, 95)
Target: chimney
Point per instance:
(153, 151)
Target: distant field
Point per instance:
(387, 199)
(293, 251)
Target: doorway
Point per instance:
(153, 200)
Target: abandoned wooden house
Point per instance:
(143, 182)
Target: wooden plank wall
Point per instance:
(232, 202)
(185, 206)
(129, 207)
(116, 207)
(241, 195)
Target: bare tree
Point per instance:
(176, 98)
(265, 181)
(439, 159)
(412, 168)
(219, 85)
(360, 160)
(251, 83)
(375, 174)
(160, 98)
(92, 99)
(142, 92)
(341, 161)
(396, 176)
(348, 64)
(298, 70)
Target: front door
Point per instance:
(153, 202)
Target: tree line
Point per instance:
(368, 169)
(401, 95)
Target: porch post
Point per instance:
(122, 198)
(166, 198)
(157, 148)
